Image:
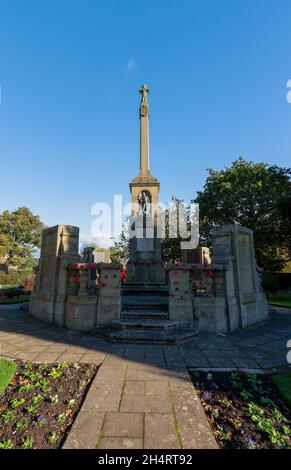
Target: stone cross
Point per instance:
(144, 91)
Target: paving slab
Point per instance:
(69, 357)
(161, 432)
(47, 357)
(194, 430)
(134, 387)
(157, 387)
(120, 443)
(145, 404)
(92, 422)
(123, 425)
(105, 392)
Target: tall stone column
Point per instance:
(144, 132)
(145, 265)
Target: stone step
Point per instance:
(160, 285)
(145, 307)
(144, 313)
(149, 289)
(144, 323)
(147, 336)
(144, 299)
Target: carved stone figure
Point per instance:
(144, 202)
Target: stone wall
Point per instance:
(84, 295)
(238, 300)
(109, 300)
(246, 301)
(59, 247)
(180, 295)
(73, 294)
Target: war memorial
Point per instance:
(152, 306)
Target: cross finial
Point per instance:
(144, 91)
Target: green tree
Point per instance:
(20, 235)
(171, 247)
(255, 195)
(120, 251)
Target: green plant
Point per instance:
(255, 410)
(245, 394)
(27, 443)
(71, 403)
(286, 430)
(33, 376)
(266, 425)
(21, 424)
(62, 365)
(37, 399)
(32, 409)
(255, 383)
(45, 386)
(279, 417)
(16, 402)
(215, 413)
(225, 403)
(25, 388)
(235, 380)
(53, 438)
(8, 416)
(82, 385)
(6, 444)
(267, 401)
(62, 418)
(54, 373)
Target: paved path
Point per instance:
(142, 396)
(134, 404)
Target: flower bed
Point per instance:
(245, 411)
(41, 402)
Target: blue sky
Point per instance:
(70, 73)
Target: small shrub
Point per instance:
(6, 444)
(27, 443)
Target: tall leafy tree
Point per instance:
(255, 195)
(171, 247)
(20, 235)
(120, 251)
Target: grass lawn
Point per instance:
(7, 371)
(281, 303)
(283, 383)
(15, 300)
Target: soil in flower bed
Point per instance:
(245, 411)
(39, 406)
